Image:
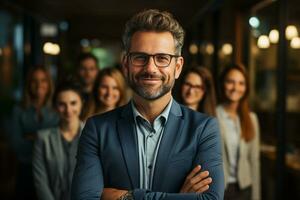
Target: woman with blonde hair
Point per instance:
(197, 90)
(240, 134)
(109, 92)
(33, 114)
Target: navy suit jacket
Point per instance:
(108, 156)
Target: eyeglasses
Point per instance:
(142, 59)
(195, 87)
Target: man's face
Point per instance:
(88, 71)
(150, 81)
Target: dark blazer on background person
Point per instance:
(108, 155)
(25, 123)
(49, 162)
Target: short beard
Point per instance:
(146, 94)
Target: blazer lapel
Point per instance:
(171, 134)
(57, 147)
(127, 136)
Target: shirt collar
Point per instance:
(224, 114)
(164, 113)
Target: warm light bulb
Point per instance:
(295, 43)
(274, 36)
(209, 49)
(291, 32)
(263, 42)
(51, 48)
(193, 49)
(227, 49)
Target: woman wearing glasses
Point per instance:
(197, 90)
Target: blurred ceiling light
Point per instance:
(48, 30)
(193, 49)
(51, 48)
(256, 33)
(227, 49)
(95, 42)
(263, 42)
(274, 36)
(254, 22)
(84, 42)
(291, 32)
(209, 49)
(63, 25)
(295, 43)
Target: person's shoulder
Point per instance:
(195, 116)
(44, 134)
(19, 108)
(253, 114)
(109, 116)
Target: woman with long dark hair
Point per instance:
(240, 134)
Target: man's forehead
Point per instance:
(88, 62)
(147, 41)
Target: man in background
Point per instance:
(87, 72)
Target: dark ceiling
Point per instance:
(106, 18)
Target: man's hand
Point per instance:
(196, 181)
(112, 193)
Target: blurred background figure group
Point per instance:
(238, 125)
(46, 125)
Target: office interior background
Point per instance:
(262, 34)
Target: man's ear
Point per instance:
(178, 66)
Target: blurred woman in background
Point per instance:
(33, 114)
(240, 134)
(109, 92)
(197, 90)
(55, 149)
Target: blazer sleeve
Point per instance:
(87, 181)
(209, 156)
(88, 177)
(255, 159)
(40, 173)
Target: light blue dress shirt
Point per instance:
(149, 137)
(233, 135)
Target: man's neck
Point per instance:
(193, 106)
(150, 109)
(231, 108)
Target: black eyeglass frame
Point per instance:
(129, 55)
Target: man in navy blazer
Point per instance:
(153, 147)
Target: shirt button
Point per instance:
(150, 167)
